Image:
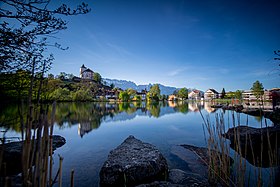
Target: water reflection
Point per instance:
(163, 124)
(208, 108)
(195, 106)
(89, 116)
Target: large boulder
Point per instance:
(133, 162)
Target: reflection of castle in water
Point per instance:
(89, 116)
(84, 128)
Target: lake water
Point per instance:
(91, 130)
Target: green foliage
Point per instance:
(126, 107)
(64, 75)
(183, 93)
(131, 92)
(124, 96)
(61, 94)
(112, 86)
(238, 94)
(154, 109)
(82, 95)
(137, 98)
(97, 77)
(164, 97)
(230, 95)
(50, 76)
(223, 93)
(183, 108)
(15, 85)
(257, 89)
(154, 93)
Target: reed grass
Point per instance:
(220, 168)
(37, 136)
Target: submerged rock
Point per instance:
(132, 163)
(179, 178)
(257, 145)
(12, 154)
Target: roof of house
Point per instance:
(196, 91)
(213, 90)
(88, 70)
(83, 66)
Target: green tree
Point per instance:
(230, 95)
(15, 85)
(131, 92)
(154, 92)
(137, 98)
(183, 93)
(164, 97)
(26, 27)
(223, 93)
(61, 94)
(238, 94)
(50, 76)
(82, 95)
(97, 77)
(62, 75)
(257, 89)
(70, 76)
(124, 96)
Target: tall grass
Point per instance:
(220, 168)
(37, 160)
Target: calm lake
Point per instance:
(91, 130)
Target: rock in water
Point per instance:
(133, 162)
(12, 154)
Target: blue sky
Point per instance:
(194, 44)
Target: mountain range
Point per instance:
(124, 84)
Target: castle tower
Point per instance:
(82, 69)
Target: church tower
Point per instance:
(82, 69)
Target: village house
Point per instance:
(195, 95)
(111, 94)
(142, 94)
(248, 95)
(86, 73)
(172, 97)
(211, 94)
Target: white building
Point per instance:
(86, 73)
(211, 94)
(195, 95)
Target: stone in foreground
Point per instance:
(12, 154)
(133, 162)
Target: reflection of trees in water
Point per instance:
(183, 108)
(83, 113)
(9, 118)
(127, 107)
(154, 109)
(90, 115)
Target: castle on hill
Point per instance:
(86, 73)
